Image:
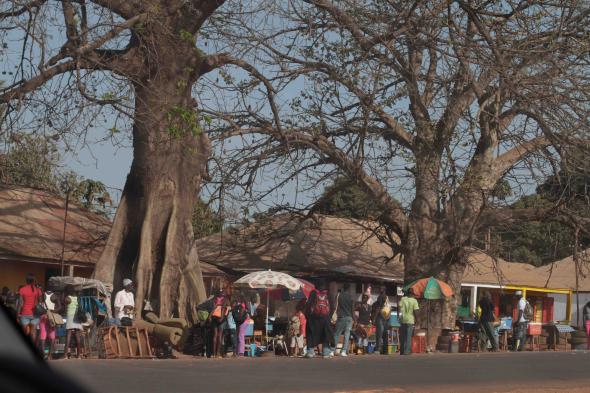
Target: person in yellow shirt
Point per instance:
(408, 305)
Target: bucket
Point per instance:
(455, 337)
(391, 349)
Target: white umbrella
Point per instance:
(269, 280)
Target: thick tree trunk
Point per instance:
(152, 237)
(436, 240)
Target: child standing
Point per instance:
(363, 324)
(297, 331)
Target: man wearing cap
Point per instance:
(124, 301)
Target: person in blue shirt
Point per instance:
(230, 333)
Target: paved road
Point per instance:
(493, 372)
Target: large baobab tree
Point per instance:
(68, 64)
(433, 103)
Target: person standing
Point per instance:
(229, 333)
(363, 324)
(408, 305)
(125, 301)
(344, 312)
(487, 319)
(204, 311)
(241, 318)
(29, 297)
(9, 300)
(297, 326)
(218, 322)
(318, 329)
(49, 321)
(73, 326)
(587, 322)
(521, 321)
(381, 313)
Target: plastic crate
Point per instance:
(534, 329)
(419, 344)
(506, 323)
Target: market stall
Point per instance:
(94, 299)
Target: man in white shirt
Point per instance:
(124, 301)
(521, 323)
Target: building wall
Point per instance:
(13, 273)
(584, 298)
(559, 306)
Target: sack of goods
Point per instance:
(386, 310)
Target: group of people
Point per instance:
(315, 327)
(39, 312)
(488, 320)
(318, 322)
(524, 315)
(224, 320)
(323, 319)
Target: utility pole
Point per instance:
(63, 239)
(577, 267)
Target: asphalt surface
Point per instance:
(537, 372)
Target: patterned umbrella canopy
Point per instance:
(269, 279)
(287, 294)
(430, 288)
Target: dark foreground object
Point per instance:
(490, 372)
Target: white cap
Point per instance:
(518, 293)
(126, 282)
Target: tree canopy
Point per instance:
(434, 102)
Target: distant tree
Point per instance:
(91, 194)
(30, 161)
(345, 199)
(34, 161)
(543, 241)
(205, 221)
